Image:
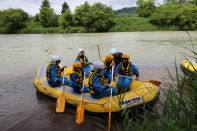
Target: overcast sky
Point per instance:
(32, 6)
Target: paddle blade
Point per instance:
(80, 114)
(157, 83)
(60, 105)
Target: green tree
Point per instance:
(81, 14)
(145, 7)
(189, 18)
(176, 1)
(45, 3)
(193, 2)
(64, 7)
(101, 19)
(95, 18)
(167, 15)
(66, 19)
(13, 19)
(47, 17)
(171, 1)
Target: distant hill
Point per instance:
(126, 10)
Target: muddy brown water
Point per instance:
(22, 108)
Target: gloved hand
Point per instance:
(110, 85)
(137, 78)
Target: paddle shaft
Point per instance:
(99, 52)
(83, 85)
(80, 110)
(109, 119)
(63, 83)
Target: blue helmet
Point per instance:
(113, 51)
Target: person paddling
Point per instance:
(126, 68)
(97, 86)
(108, 63)
(53, 72)
(76, 78)
(117, 57)
(84, 61)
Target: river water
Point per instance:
(22, 108)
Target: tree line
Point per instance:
(178, 14)
(86, 18)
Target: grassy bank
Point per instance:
(132, 23)
(123, 23)
(178, 112)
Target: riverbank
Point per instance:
(122, 24)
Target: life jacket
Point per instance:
(128, 71)
(83, 61)
(79, 79)
(90, 82)
(50, 67)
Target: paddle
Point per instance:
(60, 105)
(155, 82)
(99, 51)
(80, 108)
(109, 119)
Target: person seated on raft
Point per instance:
(127, 70)
(108, 63)
(117, 56)
(84, 61)
(97, 86)
(53, 73)
(76, 78)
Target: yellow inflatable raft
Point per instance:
(189, 67)
(141, 92)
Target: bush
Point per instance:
(95, 18)
(167, 15)
(66, 19)
(145, 7)
(182, 17)
(189, 18)
(12, 20)
(37, 30)
(124, 24)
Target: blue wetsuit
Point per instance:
(54, 77)
(130, 70)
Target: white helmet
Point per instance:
(98, 65)
(79, 51)
(113, 51)
(55, 58)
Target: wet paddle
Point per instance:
(60, 105)
(110, 102)
(80, 108)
